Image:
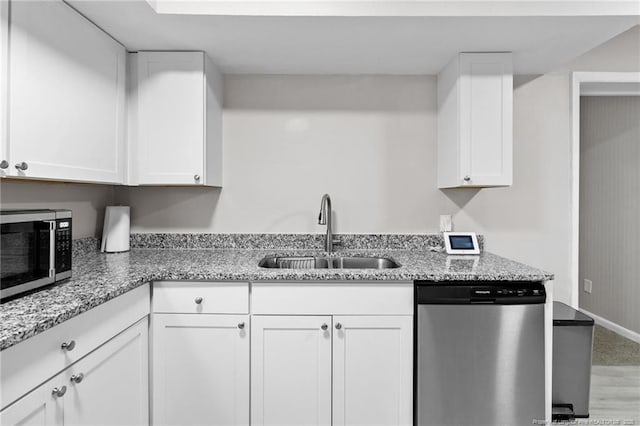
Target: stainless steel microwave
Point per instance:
(35, 249)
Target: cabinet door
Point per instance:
(200, 369)
(42, 406)
(111, 385)
(169, 124)
(291, 370)
(486, 115)
(67, 95)
(372, 370)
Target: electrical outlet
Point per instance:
(445, 223)
(588, 286)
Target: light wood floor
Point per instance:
(615, 394)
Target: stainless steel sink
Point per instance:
(327, 262)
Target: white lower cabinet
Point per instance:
(324, 370)
(372, 370)
(108, 387)
(200, 369)
(291, 370)
(39, 407)
(111, 385)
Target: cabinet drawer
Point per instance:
(197, 297)
(29, 363)
(346, 298)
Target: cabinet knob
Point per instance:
(77, 378)
(198, 300)
(22, 166)
(324, 326)
(59, 392)
(467, 178)
(196, 178)
(241, 326)
(4, 164)
(338, 326)
(68, 346)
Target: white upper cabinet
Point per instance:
(66, 103)
(175, 119)
(475, 115)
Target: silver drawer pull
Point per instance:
(241, 326)
(338, 326)
(198, 300)
(68, 346)
(77, 378)
(59, 392)
(324, 326)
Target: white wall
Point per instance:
(86, 201)
(609, 206)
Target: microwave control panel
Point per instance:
(63, 245)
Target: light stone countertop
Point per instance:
(99, 277)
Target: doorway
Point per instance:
(606, 207)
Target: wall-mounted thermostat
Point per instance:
(461, 243)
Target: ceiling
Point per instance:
(353, 44)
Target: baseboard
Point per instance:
(629, 334)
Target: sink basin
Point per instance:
(326, 262)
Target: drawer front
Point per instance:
(198, 297)
(345, 298)
(29, 363)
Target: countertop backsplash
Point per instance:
(289, 241)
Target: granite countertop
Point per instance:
(99, 277)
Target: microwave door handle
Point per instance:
(52, 248)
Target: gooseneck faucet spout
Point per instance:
(324, 218)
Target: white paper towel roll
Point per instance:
(115, 235)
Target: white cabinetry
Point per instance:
(200, 353)
(108, 387)
(201, 369)
(475, 114)
(291, 370)
(111, 385)
(66, 103)
(41, 407)
(372, 370)
(175, 119)
(347, 367)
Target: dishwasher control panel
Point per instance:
(499, 293)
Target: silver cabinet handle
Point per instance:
(196, 177)
(338, 326)
(68, 346)
(467, 178)
(198, 300)
(241, 326)
(4, 164)
(22, 166)
(324, 326)
(77, 378)
(59, 392)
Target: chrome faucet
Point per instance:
(324, 218)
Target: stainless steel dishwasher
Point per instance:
(479, 353)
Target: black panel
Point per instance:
(63, 245)
(489, 292)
